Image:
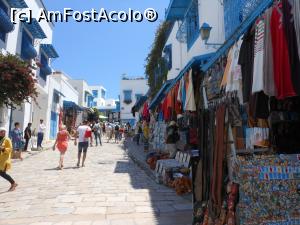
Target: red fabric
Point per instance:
(178, 105)
(146, 114)
(282, 70)
(167, 104)
(88, 134)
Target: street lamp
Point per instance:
(205, 34)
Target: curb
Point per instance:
(142, 165)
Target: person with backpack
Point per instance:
(84, 133)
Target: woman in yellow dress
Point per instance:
(5, 158)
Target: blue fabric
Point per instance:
(6, 25)
(40, 138)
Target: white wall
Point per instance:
(137, 87)
(211, 12)
(26, 112)
(100, 101)
(81, 86)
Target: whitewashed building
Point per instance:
(99, 95)
(33, 43)
(85, 98)
(59, 91)
(131, 90)
(185, 46)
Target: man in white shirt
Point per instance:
(41, 131)
(84, 132)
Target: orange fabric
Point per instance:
(62, 141)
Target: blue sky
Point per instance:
(101, 52)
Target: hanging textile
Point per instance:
(234, 80)
(288, 21)
(190, 104)
(227, 68)
(218, 161)
(296, 14)
(258, 73)
(269, 83)
(246, 60)
(282, 70)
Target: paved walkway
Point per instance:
(110, 190)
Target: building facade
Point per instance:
(32, 42)
(185, 43)
(99, 95)
(131, 90)
(85, 98)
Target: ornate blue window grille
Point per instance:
(95, 93)
(127, 96)
(6, 25)
(189, 29)
(236, 11)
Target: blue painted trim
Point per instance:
(70, 104)
(59, 93)
(177, 10)
(238, 33)
(19, 4)
(168, 85)
(35, 29)
(160, 94)
(6, 25)
(49, 50)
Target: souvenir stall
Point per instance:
(70, 114)
(248, 119)
(173, 124)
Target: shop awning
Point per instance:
(137, 106)
(161, 94)
(238, 33)
(196, 61)
(70, 104)
(49, 50)
(17, 4)
(177, 9)
(35, 29)
(6, 25)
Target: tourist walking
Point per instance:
(109, 132)
(5, 158)
(61, 143)
(84, 133)
(27, 136)
(17, 141)
(41, 131)
(117, 133)
(97, 130)
(103, 129)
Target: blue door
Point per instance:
(53, 125)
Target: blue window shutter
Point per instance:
(95, 93)
(127, 96)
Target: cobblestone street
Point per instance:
(110, 190)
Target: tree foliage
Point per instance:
(156, 68)
(17, 82)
